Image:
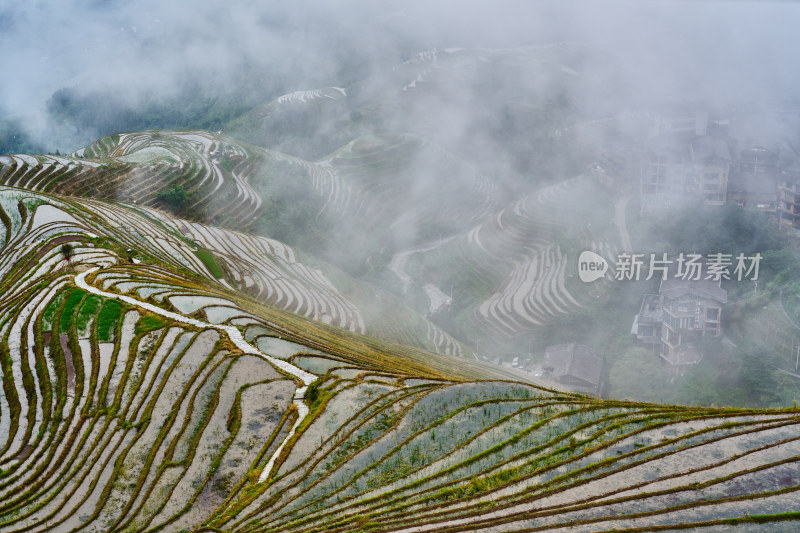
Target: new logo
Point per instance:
(591, 266)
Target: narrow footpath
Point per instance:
(236, 338)
(619, 220)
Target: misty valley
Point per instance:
(530, 268)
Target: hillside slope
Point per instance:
(146, 395)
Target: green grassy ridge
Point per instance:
(208, 260)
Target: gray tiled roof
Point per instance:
(574, 359)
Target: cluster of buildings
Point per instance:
(747, 158)
(671, 323)
(694, 153)
(678, 155)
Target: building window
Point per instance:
(712, 313)
(657, 178)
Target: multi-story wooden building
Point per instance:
(664, 174)
(754, 180)
(789, 189)
(672, 321)
(711, 162)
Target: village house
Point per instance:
(664, 175)
(576, 366)
(789, 189)
(688, 159)
(753, 181)
(680, 119)
(673, 321)
(692, 153)
(647, 324)
(711, 162)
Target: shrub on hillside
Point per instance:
(174, 196)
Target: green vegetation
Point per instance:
(709, 229)
(211, 264)
(291, 206)
(107, 319)
(745, 376)
(174, 196)
(14, 138)
(312, 393)
(88, 310)
(49, 314)
(66, 250)
(148, 323)
(68, 312)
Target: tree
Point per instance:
(66, 252)
(174, 196)
(757, 381)
(639, 374)
(312, 393)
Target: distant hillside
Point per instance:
(453, 98)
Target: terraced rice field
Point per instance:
(270, 270)
(536, 290)
(121, 408)
(152, 395)
(264, 268)
(526, 254)
(370, 178)
(332, 93)
(214, 170)
(498, 456)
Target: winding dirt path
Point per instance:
(619, 219)
(398, 262)
(236, 338)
